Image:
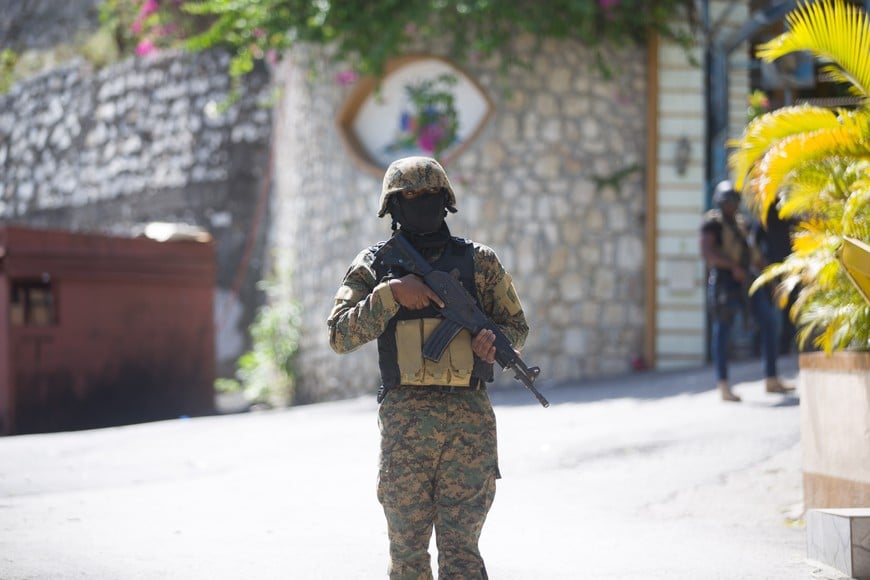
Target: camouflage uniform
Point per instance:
(439, 458)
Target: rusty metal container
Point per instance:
(98, 330)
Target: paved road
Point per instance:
(646, 477)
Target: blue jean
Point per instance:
(762, 310)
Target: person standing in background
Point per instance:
(733, 265)
(774, 242)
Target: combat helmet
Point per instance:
(725, 192)
(415, 173)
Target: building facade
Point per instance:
(589, 187)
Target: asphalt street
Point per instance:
(646, 476)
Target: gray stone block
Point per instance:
(840, 538)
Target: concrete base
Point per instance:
(835, 429)
(824, 491)
(840, 538)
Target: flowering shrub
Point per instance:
(370, 33)
(432, 124)
(143, 26)
(758, 105)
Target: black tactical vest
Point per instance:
(458, 256)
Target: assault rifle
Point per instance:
(460, 311)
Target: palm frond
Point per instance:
(821, 188)
(808, 192)
(856, 213)
(767, 129)
(836, 74)
(832, 30)
(783, 291)
(829, 274)
(808, 245)
(789, 153)
(815, 164)
(834, 319)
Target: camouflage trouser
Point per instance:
(438, 468)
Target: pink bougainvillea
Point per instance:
(148, 7)
(608, 6)
(346, 77)
(429, 122)
(430, 137)
(145, 47)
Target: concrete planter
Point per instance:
(835, 429)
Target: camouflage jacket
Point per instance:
(364, 306)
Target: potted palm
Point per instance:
(814, 164)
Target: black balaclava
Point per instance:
(421, 215)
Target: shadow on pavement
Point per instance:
(647, 385)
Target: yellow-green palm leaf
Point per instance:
(832, 30)
(815, 164)
(768, 129)
(790, 153)
(855, 214)
(812, 191)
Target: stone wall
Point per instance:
(527, 187)
(43, 24)
(145, 140)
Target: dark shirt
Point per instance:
(774, 240)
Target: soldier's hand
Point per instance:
(483, 345)
(411, 292)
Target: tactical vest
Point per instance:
(400, 346)
(731, 238)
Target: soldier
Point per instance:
(439, 460)
(731, 262)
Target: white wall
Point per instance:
(680, 319)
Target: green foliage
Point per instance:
(758, 104)
(615, 179)
(370, 33)
(100, 48)
(814, 164)
(8, 60)
(116, 19)
(266, 373)
(227, 386)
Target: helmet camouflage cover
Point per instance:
(412, 173)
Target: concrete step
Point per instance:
(840, 538)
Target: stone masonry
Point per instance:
(146, 140)
(531, 186)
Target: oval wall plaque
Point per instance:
(424, 105)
